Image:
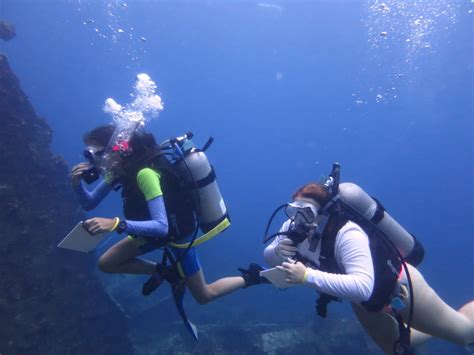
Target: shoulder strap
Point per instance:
(327, 260)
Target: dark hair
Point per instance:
(100, 135)
(142, 144)
(314, 191)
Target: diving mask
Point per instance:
(303, 211)
(303, 215)
(93, 156)
(103, 162)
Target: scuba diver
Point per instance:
(343, 243)
(158, 213)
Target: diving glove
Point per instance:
(252, 275)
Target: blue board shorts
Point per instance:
(188, 265)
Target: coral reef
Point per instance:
(7, 31)
(50, 299)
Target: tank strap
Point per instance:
(209, 179)
(206, 227)
(379, 212)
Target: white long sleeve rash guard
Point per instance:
(353, 256)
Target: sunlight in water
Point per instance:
(400, 34)
(409, 24)
(109, 23)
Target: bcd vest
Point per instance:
(387, 264)
(178, 203)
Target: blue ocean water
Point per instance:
(286, 88)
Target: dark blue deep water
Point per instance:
(286, 88)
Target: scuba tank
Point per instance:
(197, 175)
(357, 204)
(409, 247)
(354, 200)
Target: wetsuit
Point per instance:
(144, 233)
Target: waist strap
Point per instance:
(223, 225)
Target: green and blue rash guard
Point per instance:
(148, 181)
(155, 225)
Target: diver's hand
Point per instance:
(100, 225)
(294, 272)
(285, 249)
(76, 173)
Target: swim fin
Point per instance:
(153, 282)
(179, 289)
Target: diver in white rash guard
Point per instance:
(349, 267)
(352, 252)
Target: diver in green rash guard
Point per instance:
(145, 188)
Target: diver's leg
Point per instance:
(383, 329)
(122, 258)
(380, 326)
(418, 338)
(433, 316)
(190, 268)
(204, 293)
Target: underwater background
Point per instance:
(285, 88)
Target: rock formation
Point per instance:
(50, 300)
(7, 31)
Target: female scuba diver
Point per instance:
(136, 170)
(321, 247)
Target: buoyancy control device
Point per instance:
(199, 178)
(358, 205)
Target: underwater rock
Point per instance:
(255, 338)
(7, 31)
(50, 299)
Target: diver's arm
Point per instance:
(90, 199)
(269, 254)
(157, 227)
(149, 183)
(353, 254)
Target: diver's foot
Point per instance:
(252, 275)
(152, 283)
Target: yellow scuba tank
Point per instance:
(198, 176)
